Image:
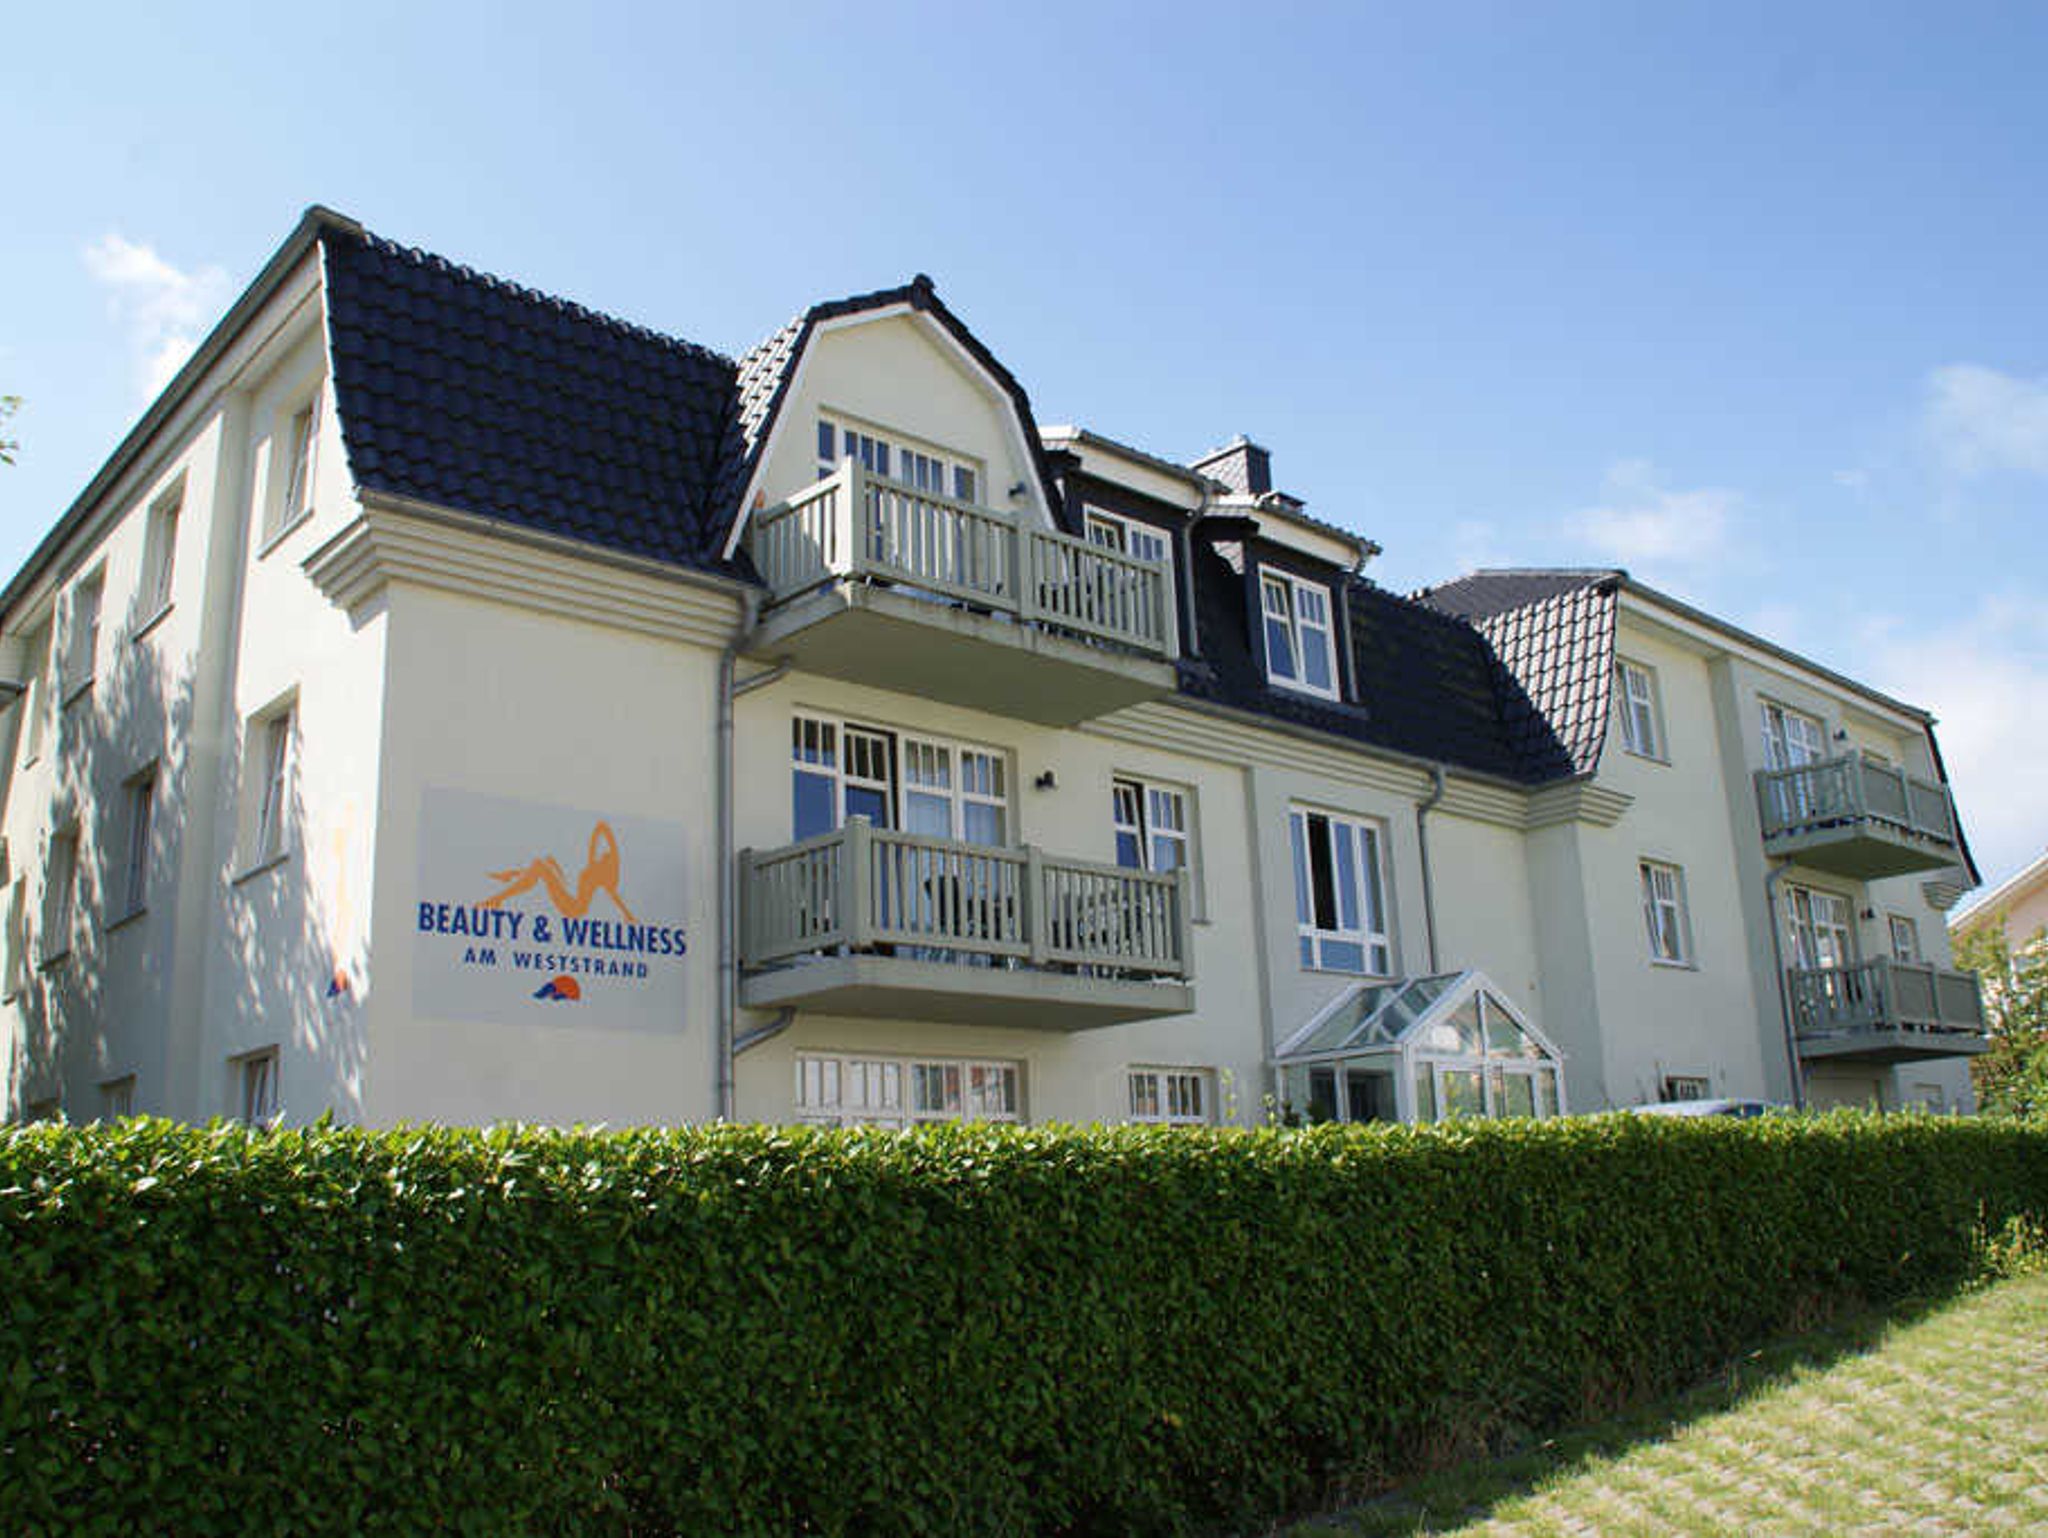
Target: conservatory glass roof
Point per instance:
(1456, 1014)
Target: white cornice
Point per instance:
(1577, 801)
(480, 558)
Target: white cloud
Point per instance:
(164, 309)
(1982, 420)
(1986, 680)
(1640, 522)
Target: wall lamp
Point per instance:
(1046, 780)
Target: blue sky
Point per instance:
(1749, 299)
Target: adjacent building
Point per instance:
(450, 702)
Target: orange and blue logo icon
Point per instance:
(562, 989)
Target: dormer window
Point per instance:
(1299, 653)
(927, 469)
(1113, 531)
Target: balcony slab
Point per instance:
(868, 986)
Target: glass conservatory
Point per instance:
(1423, 1049)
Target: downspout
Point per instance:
(728, 883)
(1771, 881)
(1423, 808)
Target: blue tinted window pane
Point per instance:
(1308, 951)
(1166, 854)
(881, 459)
(1315, 659)
(814, 812)
(871, 804)
(1347, 875)
(1298, 830)
(1343, 956)
(825, 455)
(1127, 850)
(1279, 649)
(963, 484)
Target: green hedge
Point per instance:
(964, 1331)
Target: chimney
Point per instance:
(1240, 464)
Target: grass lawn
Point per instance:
(1935, 1423)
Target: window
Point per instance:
(923, 785)
(1664, 913)
(1113, 531)
(294, 500)
(256, 1086)
(82, 634)
(37, 699)
(160, 553)
(271, 742)
(1339, 894)
(60, 893)
(117, 1098)
(48, 1108)
(1636, 688)
(1297, 618)
(1678, 1086)
(1791, 738)
(17, 937)
(893, 1092)
(141, 798)
(1819, 928)
(1172, 1096)
(933, 471)
(1905, 939)
(1151, 823)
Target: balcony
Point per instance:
(876, 582)
(1886, 1012)
(1857, 819)
(871, 922)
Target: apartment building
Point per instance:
(449, 702)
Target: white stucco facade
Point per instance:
(428, 686)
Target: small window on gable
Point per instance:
(1636, 702)
(292, 467)
(1300, 653)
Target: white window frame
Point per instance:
(160, 554)
(1139, 809)
(1122, 534)
(1663, 892)
(1897, 924)
(258, 1102)
(60, 891)
(117, 1097)
(1370, 899)
(270, 756)
(138, 820)
(1642, 721)
(974, 767)
(1170, 1097)
(1281, 595)
(82, 633)
(928, 467)
(1785, 747)
(872, 1089)
(40, 648)
(1675, 1088)
(295, 465)
(1808, 927)
(16, 960)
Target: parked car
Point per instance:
(1708, 1108)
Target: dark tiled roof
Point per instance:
(1480, 594)
(462, 390)
(1427, 682)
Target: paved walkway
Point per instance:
(1942, 1428)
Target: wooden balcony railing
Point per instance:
(1885, 996)
(863, 888)
(855, 524)
(1845, 791)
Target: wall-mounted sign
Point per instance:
(532, 912)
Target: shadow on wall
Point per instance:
(136, 988)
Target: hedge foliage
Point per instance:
(964, 1330)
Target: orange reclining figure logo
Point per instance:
(600, 874)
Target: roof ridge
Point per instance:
(419, 256)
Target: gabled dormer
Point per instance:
(895, 500)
